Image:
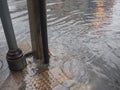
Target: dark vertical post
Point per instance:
(15, 58)
(35, 28)
(38, 28)
(43, 19)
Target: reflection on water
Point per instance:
(100, 14)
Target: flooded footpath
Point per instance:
(84, 44)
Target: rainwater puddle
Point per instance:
(84, 44)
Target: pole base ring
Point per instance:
(16, 60)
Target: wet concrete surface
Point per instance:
(21, 27)
(84, 43)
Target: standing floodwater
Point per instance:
(84, 38)
(84, 44)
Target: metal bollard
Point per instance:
(15, 57)
(43, 20)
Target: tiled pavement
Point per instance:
(84, 42)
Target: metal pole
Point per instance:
(35, 28)
(15, 58)
(43, 20)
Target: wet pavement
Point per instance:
(84, 43)
(21, 27)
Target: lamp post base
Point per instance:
(16, 60)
